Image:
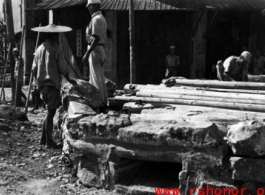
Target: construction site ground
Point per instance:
(28, 169)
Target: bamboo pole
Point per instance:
(221, 84)
(194, 97)
(206, 93)
(237, 106)
(19, 68)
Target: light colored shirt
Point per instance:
(19, 64)
(49, 64)
(259, 65)
(172, 61)
(97, 26)
(234, 69)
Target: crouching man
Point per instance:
(234, 68)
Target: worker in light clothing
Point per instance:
(49, 64)
(259, 63)
(18, 74)
(234, 68)
(172, 63)
(95, 54)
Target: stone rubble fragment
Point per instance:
(247, 138)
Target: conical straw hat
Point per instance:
(52, 28)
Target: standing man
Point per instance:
(49, 64)
(234, 68)
(95, 54)
(259, 63)
(19, 64)
(172, 63)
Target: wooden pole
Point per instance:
(11, 40)
(31, 75)
(19, 68)
(132, 43)
(129, 89)
(133, 88)
(194, 97)
(214, 104)
(221, 84)
(206, 94)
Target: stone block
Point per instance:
(103, 125)
(205, 182)
(87, 171)
(75, 108)
(247, 169)
(83, 91)
(247, 138)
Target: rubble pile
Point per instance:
(218, 148)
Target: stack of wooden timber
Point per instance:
(245, 96)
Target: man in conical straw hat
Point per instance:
(48, 65)
(95, 54)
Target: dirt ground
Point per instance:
(28, 169)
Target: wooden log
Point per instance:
(133, 88)
(206, 93)
(194, 97)
(221, 84)
(238, 106)
(224, 90)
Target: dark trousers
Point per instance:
(47, 127)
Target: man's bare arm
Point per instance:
(227, 76)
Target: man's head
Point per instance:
(15, 52)
(93, 6)
(172, 49)
(245, 57)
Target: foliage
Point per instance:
(2, 41)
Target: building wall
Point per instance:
(18, 16)
(155, 32)
(18, 13)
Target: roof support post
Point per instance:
(11, 40)
(197, 24)
(205, 34)
(132, 43)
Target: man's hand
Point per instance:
(85, 58)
